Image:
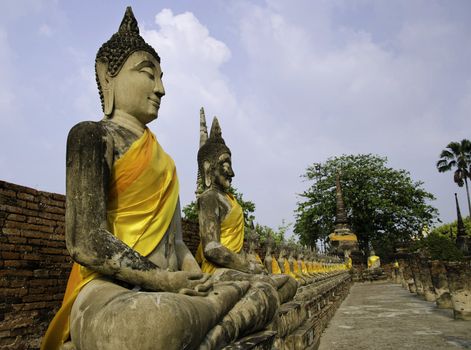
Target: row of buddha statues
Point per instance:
(292, 259)
(134, 283)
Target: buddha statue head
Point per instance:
(283, 250)
(214, 159)
(253, 238)
(269, 245)
(128, 74)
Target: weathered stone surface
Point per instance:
(459, 283)
(258, 341)
(419, 287)
(440, 284)
(426, 278)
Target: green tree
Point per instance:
(438, 247)
(385, 207)
(457, 155)
(450, 229)
(190, 211)
(278, 235)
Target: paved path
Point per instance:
(384, 316)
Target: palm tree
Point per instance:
(457, 155)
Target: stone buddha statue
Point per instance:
(348, 259)
(253, 244)
(270, 262)
(221, 220)
(294, 265)
(374, 261)
(134, 283)
(282, 258)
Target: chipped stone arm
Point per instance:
(210, 230)
(88, 239)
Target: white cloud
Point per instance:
(311, 98)
(191, 62)
(45, 30)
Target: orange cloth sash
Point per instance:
(232, 235)
(143, 197)
(275, 268)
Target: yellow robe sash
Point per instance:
(143, 197)
(349, 264)
(232, 234)
(372, 260)
(258, 259)
(287, 268)
(296, 269)
(304, 269)
(275, 267)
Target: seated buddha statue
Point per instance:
(374, 261)
(221, 220)
(348, 259)
(134, 283)
(294, 266)
(270, 262)
(252, 240)
(282, 259)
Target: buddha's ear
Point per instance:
(207, 173)
(107, 86)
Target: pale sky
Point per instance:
(292, 82)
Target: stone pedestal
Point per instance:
(300, 323)
(419, 288)
(426, 278)
(407, 277)
(440, 284)
(459, 283)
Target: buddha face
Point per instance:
(138, 87)
(223, 172)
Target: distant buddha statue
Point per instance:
(270, 262)
(374, 261)
(348, 259)
(302, 262)
(221, 220)
(281, 258)
(134, 283)
(253, 243)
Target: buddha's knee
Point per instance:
(142, 320)
(116, 318)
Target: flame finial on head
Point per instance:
(129, 23)
(203, 128)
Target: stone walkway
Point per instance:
(384, 316)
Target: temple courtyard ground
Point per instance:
(382, 315)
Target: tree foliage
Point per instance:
(385, 207)
(438, 247)
(450, 229)
(190, 211)
(278, 235)
(457, 155)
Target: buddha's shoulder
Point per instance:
(213, 199)
(103, 128)
(212, 194)
(87, 130)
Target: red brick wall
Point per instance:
(35, 264)
(191, 236)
